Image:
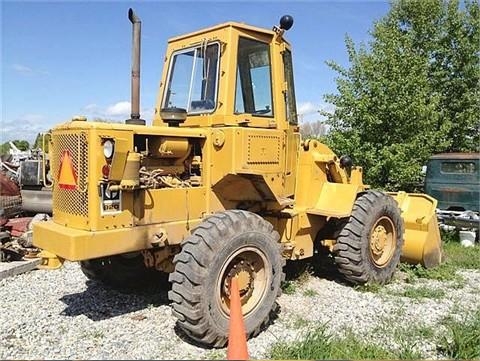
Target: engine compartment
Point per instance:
(172, 162)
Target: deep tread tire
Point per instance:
(121, 271)
(205, 258)
(353, 253)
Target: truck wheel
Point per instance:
(230, 244)
(121, 271)
(369, 245)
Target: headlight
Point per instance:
(108, 147)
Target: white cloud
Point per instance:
(117, 112)
(119, 109)
(22, 69)
(25, 127)
(327, 107)
(91, 107)
(307, 108)
(26, 70)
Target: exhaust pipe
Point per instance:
(135, 101)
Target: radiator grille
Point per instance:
(72, 201)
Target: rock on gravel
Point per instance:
(61, 315)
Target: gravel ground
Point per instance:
(61, 315)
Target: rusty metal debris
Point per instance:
(15, 231)
(16, 210)
(16, 238)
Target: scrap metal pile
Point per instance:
(15, 222)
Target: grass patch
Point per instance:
(288, 287)
(318, 345)
(443, 272)
(458, 284)
(459, 256)
(421, 331)
(403, 332)
(409, 335)
(450, 236)
(300, 323)
(463, 339)
(399, 311)
(406, 352)
(369, 287)
(310, 293)
(406, 335)
(302, 275)
(422, 292)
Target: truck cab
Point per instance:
(454, 180)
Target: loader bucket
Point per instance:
(422, 242)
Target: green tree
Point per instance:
(4, 148)
(411, 93)
(20, 144)
(39, 141)
(455, 74)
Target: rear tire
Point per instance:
(230, 244)
(369, 245)
(122, 271)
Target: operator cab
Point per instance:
(228, 75)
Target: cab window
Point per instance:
(192, 80)
(254, 80)
(290, 103)
(458, 167)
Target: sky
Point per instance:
(65, 58)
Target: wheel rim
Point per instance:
(250, 266)
(382, 241)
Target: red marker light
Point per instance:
(106, 171)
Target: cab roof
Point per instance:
(456, 156)
(230, 24)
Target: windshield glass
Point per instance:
(254, 83)
(192, 79)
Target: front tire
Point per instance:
(230, 244)
(369, 245)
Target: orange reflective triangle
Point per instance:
(67, 177)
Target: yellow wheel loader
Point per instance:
(221, 185)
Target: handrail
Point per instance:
(44, 168)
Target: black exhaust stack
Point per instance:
(135, 103)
